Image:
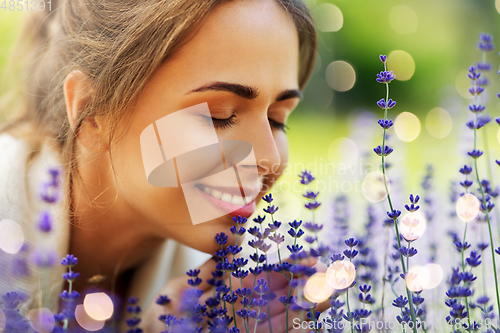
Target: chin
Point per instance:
(202, 236)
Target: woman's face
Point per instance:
(243, 62)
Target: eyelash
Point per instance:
(228, 122)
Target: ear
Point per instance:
(76, 91)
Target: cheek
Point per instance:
(158, 205)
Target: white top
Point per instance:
(20, 202)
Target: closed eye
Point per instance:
(229, 122)
(278, 125)
(224, 123)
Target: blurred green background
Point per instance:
(430, 45)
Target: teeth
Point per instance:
(226, 197)
(232, 199)
(216, 194)
(237, 200)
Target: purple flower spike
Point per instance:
(394, 214)
(71, 276)
(389, 105)
(385, 123)
(69, 297)
(475, 153)
(415, 199)
(385, 76)
(497, 251)
(310, 195)
(497, 162)
(473, 74)
(476, 91)
(69, 261)
(261, 288)
(54, 174)
(306, 178)
(387, 151)
(485, 42)
(268, 198)
(351, 242)
(466, 170)
(45, 222)
(43, 259)
(240, 220)
(312, 205)
(133, 300)
(163, 300)
(471, 125)
(383, 58)
(49, 194)
(261, 317)
(271, 209)
(476, 108)
(483, 66)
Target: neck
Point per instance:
(107, 235)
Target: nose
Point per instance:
(267, 153)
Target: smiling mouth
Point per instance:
(231, 198)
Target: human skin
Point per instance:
(248, 43)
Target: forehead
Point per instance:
(249, 42)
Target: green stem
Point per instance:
(463, 271)
(410, 299)
(289, 292)
(349, 314)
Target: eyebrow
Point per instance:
(246, 92)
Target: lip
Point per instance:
(231, 209)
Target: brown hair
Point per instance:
(118, 44)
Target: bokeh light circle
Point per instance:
(85, 321)
(417, 278)
(407, 126)
(318, 93)
(328, 17)
(41, 320)
(435, 275)
(467, 207)
(11, 236)
(403, 19)
(98, 306)
(438, 123)
(373, 186)
(343, 150)
(316, 289)
(340, 274)
(412, 225)
(402, 64)
(340, 75)
(497, 5)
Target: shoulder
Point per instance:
(23, 170)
